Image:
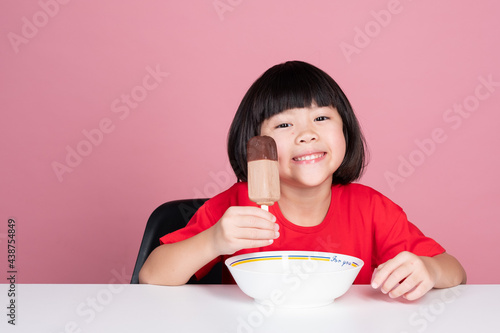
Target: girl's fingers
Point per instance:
(405, 275)
(252, 222)
(393, 280)
(385, 270)
(253, 243)
(256, 233)
(251, 211)
(418, 292)
(404, 287)
(246, 227)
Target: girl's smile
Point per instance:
(309, 158)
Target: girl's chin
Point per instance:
(309, 182)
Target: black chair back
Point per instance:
(165, 219)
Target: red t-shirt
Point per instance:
(360, 222)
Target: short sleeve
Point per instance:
(398, 234)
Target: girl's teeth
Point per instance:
(308, 157)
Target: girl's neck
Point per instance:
(305, 207)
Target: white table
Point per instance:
(224, 308)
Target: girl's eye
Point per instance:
(322, 118)
(283, 125)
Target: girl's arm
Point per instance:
(420, 274)
(239, 228)
(449, 271)
(174, 264)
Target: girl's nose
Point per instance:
(307, 136)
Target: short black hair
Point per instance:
(295, 84)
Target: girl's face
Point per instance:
(310, 142)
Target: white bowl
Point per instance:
(294, 279)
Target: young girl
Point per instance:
(321, 152)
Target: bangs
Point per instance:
(294, 85)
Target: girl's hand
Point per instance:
(418, 273)
(244, 228)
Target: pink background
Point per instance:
(407, 66)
